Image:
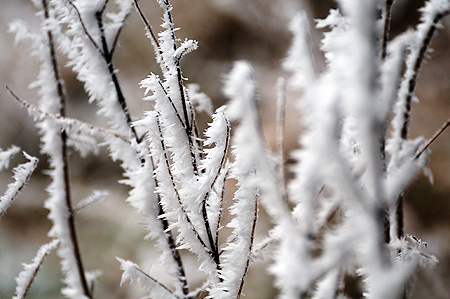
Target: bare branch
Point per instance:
(119, 31)
(432, 139)
(147, 25)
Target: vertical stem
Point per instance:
(181, 91)
(252, 235)
(70, 219)
(108, 60)
(386, 27)
(385, 40)
(411, 87)
(399, 216)
(171, 242)
(174, 251)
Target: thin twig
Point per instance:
(109, 63)
(252, 235)
(170, 240)
(387, 14)
(163, 147)
(17, 186)
(80, 18)
(197, 138)
(432, 139)
(49, 246)
(117, 36)
(65, 158)
(417, 65)
(181, 89)
(211, 240)
(104, 6)
(171, 103)
(147, 24)
(67, 121)
(157, 282)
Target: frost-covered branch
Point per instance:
(25, 278)
(67, 123)
(333, 216)
(22, 174)
(132, 273)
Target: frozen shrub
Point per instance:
(339, 214)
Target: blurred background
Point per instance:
(227, 30)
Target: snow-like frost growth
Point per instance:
(7, 155)
(26, 277)
(21, 176)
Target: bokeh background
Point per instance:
(227, 30)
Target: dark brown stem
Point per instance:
(169, 171)
(156, 281)
(252, 235)
(408, 101)
(183, 99)
(171, 242)
(84, 27)
(172, 104)
(417, 65)
(65, 160)
(108, 60)
(119, 31)
(147, 24)
(399, 216)
(212, 241)
(386, 27)
(432, 139)
(385, 40)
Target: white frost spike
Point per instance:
(26, 277)
(22, 174)
(132, 272)
(7, 155)
(96, 196)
